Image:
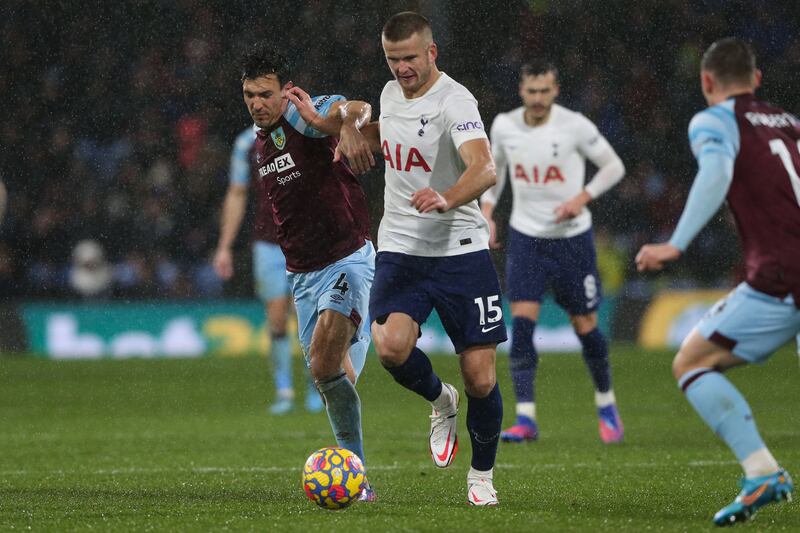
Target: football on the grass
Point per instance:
(333, 478)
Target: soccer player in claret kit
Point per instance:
(269, 269)
(433, 246)
(544, 147)
(320, 214)
(748, 152)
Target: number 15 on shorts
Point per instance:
(490, 310)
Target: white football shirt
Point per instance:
(420, 138)
(546, 165)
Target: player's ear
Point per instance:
(289, 84)
(433, 51)
(757, 78)
(707, 82)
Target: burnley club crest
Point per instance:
(278, 138)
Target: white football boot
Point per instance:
(443, 438)
(480, 491)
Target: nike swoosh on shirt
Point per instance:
(487, 330)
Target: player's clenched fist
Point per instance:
(427, 200)
(355, 148)
(572, 207)
(653, 256)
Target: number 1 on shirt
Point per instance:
(779, 148)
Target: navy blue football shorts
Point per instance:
(568, 266)
(463, 289)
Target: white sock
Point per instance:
(760, 463)
(604, 399)
(445, 403)
(478, 474)
(527, 409)
(286, 394)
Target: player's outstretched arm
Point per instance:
(705, 198)
(343, 120)
(233, 210)
(478, 176)
(341, 113)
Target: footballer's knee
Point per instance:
(679, 366)
(278, 313)
(583, 324)
(687, 359)
(393, 346)
(698, 352)
(478, 370)
(479, 386)
(393, 341)
(525, 309)
(323, 369)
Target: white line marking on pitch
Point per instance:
(378, 468)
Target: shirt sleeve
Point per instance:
(591, 143)
(492, 194)
(714, 130)
(463, 120)
(708, 192)
(714, 139)
(240, 157)
(593, 146)
(323, 106)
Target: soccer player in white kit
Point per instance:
(433, 246)
(544, 147)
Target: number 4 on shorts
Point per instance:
(341, 285)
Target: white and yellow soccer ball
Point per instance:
(333, 477)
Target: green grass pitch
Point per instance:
(187, 445)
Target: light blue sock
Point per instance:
(724, 409)
(282, 362)
(344, 413)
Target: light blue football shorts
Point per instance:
(342, 287)
(751, 324)
(269, 271)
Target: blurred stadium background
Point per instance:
(119, 118)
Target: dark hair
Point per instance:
(261, 59)
(730, 61)
(403, 25)
(537, 67)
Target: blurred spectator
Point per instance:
(90, 275)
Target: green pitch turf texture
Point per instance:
(187, 445)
